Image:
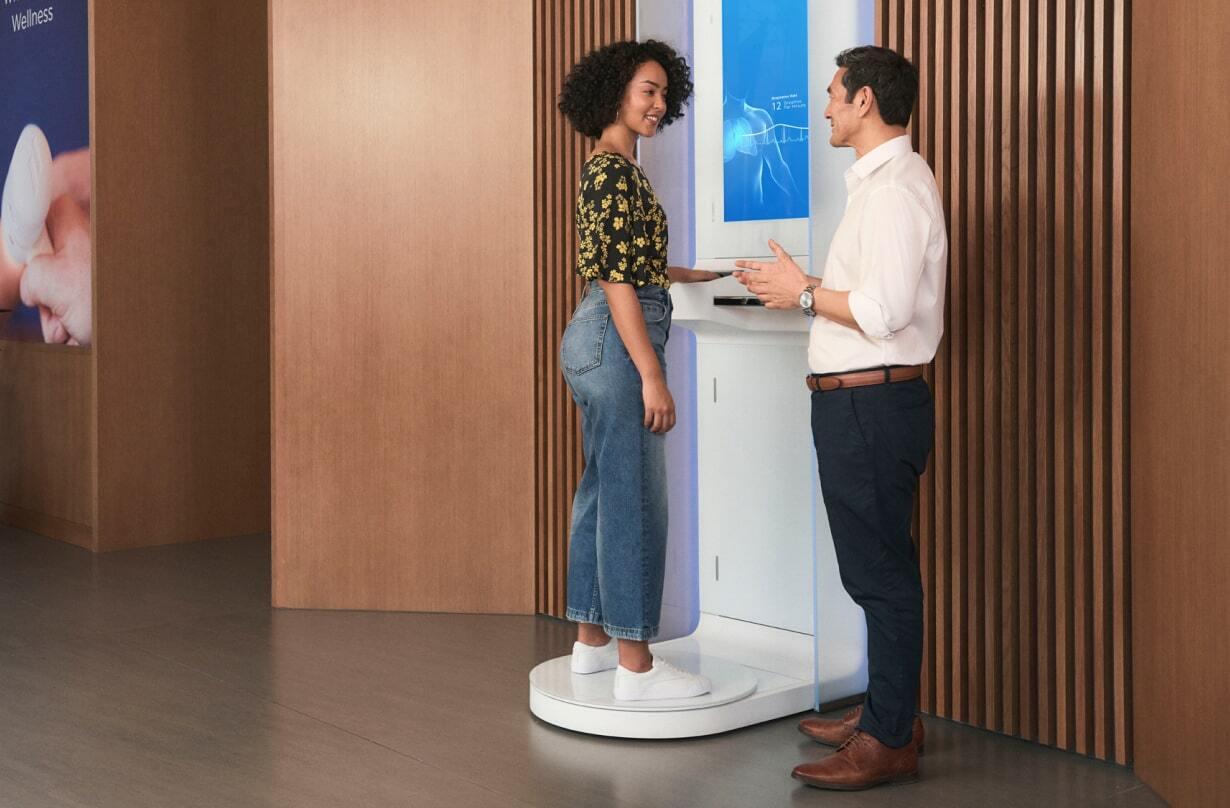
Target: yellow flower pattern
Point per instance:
(621, 227)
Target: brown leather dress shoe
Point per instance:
(836, 731)
(861, 762)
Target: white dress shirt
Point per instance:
(890, 253)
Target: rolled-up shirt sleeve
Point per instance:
(893, 237)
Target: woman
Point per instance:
(617, 375)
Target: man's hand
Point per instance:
(778, 283)
(59, 284)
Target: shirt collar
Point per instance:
(869, 162)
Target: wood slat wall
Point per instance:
(564, 31)
(1023, 521)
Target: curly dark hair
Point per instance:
(595, 86)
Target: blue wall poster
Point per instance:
(764, 109)
(45, 249)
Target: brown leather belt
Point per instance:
(862, 378)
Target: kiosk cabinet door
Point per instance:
(754, 453)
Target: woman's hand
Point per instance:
(685, 275)
(629, 322)
(659, 405)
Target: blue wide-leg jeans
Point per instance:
(617, 546)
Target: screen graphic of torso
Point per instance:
(764, 109)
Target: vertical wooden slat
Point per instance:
(1061, 461)
(974, 271)
(1009, 364)
(942, 381)
(1121, 565)
(1076, 364)
(892, 19)
(992, 384)
(1099, 615)
(541, 559)
(1022, 513)
(958, 344)
(1045, 308)
(1026, 160)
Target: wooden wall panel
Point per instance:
(181, 270)
(564, 31)
(403, 305)
(47, 431)
(1023, 512)
(1180, 397)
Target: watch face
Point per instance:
(806, 299)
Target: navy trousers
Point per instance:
(872, 444)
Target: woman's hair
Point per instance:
(595, 86)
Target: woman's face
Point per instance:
(644, 101)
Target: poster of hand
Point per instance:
(46, 252)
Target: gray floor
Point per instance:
(161, 678)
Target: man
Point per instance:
(877, 320)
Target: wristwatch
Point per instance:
(807, 299)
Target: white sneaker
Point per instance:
(663, 681)
(594, 658)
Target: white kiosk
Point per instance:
(767, 570)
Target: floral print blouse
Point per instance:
(621, 227)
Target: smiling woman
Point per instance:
(619, 94)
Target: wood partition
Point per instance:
(181, 257)
(1181, 398)
(1023, 518)
(403, 301)
(564, 31)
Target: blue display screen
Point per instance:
(764, 109)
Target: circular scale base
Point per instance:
(584, 702)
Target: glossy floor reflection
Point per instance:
(161, 678)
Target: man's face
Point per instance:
(843, 117)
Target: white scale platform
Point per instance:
(744, 661)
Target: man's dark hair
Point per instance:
(891, 77)
(595, 87)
